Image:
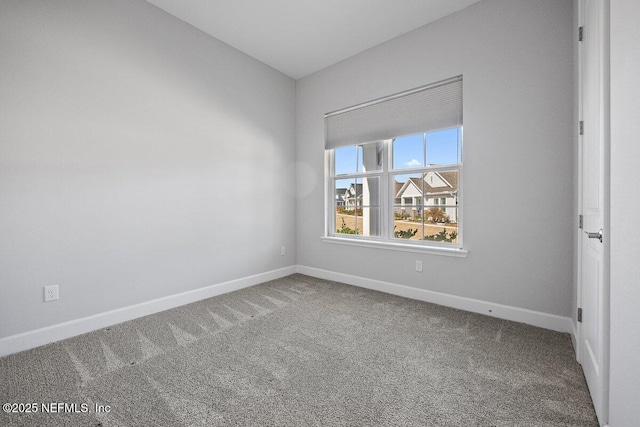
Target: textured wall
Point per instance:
(139, 158)
(517, 62)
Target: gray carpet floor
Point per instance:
(300, 351)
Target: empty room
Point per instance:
(278, 213)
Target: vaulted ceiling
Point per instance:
(300, 37)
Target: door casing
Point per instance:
(599, 392)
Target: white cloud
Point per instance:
(413, 163)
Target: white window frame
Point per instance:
(387, 196)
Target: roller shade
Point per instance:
(425, 109)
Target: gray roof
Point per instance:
(449, 176)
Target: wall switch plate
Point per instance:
(419, 266)
(51, 293)
(282, 251)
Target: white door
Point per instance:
(594, 286)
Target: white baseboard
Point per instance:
(26, 340)
(574, 336)
(535, 318)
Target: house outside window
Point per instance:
(402, 188)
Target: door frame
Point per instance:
(603, 40)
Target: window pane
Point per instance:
(408, 189)
(345, 206)
(370, 157)
(426, 206)
(368, 191)
(357, 202)
(443, 231)
(408, 152)
(441, 206)
(406, 225)
(440, 188)
(409, 202)
(444, 147)
(357, 192)
(345, 160)
(341, 187)
(358, 158)
(369, 222)
(345, 223)
(361, 221)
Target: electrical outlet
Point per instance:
(419, 266)
(51, 293)
(282, 251)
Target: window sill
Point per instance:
(403, 247)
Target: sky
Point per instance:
(443, 148)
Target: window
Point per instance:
(398, 189)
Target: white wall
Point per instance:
(139, 158)
(625, 211)
(517, 62)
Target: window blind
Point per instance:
(424, 109)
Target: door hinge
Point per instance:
(580, 315)
(580, 221)
(581, 127)
(580, 34)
